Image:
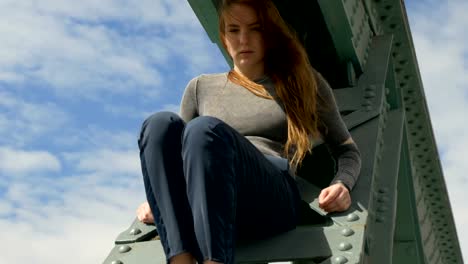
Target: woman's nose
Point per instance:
(244, 37)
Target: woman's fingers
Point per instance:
(144, 213)
(335, 199)
(327, 196)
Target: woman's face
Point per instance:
(244, 38)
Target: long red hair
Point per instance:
(287, 64)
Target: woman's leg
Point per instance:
(161, 162)
(232, 188)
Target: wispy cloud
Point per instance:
(19, 162)
(22, 121)
(80, 212)
(95, 48)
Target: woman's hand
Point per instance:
(335, 198)
(144, 213)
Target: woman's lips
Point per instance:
(246, 52)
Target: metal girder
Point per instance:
(348, 24)
(407, 246)
(434, 213)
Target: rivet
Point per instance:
(369, 94)
(124, 249)
(382, 199)
(367, 103)
(116, 262)
(371, 87)
(340, 260)
(383, 190)
(379, 157)
(381, 141)
(368, 108)
(382, 209)
(352, 217)
(380, 219)
(344, 246)
(347, 232)
(135, 231)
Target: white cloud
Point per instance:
(439, 33)
(22, 122)
(79, 225)
(105, 161)
(96, 48)
(70, 197)
(94, 137)
(75, 216)
(19, 162)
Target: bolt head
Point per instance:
(347, 232)
(352, 217)
(124, 249)
(135, 231)
(340, 260)
(345, 246)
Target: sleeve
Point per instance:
(334, 133)
(189, 103)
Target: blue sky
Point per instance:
(77, 78)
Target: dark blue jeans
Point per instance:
(208, 186)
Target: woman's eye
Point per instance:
(233, 30)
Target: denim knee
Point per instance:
(203, 131)
(160, 125)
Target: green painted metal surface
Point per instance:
(400, 211)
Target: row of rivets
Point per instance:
(410, 251)
(381, 207)
(126, 248)
(344, 246)
(369, 94)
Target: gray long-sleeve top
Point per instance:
(263, 121)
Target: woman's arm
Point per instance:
(345, 152)
(189, 102)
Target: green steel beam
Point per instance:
(348, 24)
(434, 211)
(207, 14)
(380, 230)
(407, 239)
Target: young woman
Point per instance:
(225, 169)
